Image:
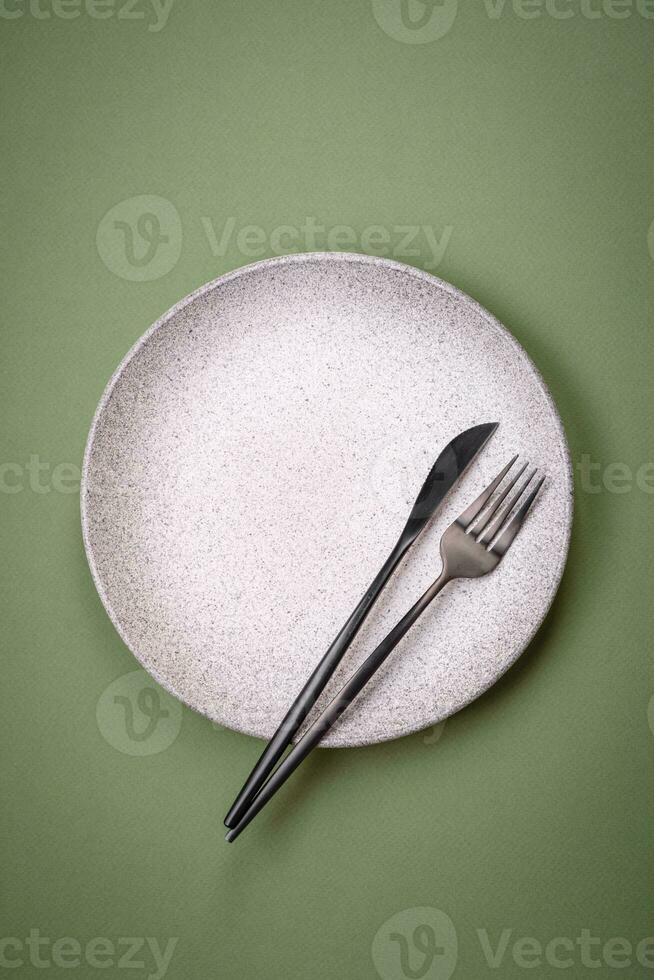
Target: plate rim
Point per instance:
(319, 257)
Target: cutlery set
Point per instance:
(472, 546)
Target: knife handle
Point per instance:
(316, 683)
(337, 706)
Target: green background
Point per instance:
(532, 139)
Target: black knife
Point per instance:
(445, 472)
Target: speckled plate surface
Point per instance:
(253, 460)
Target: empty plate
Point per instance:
(253, 460)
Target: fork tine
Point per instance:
(502, 519)
(491, 530)
(471, 512)
(506, 538)
(480, 530)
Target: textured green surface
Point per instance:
(531, 139)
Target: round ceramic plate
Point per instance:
(253, 460)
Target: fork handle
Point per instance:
(315, 685)
(335, 708)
